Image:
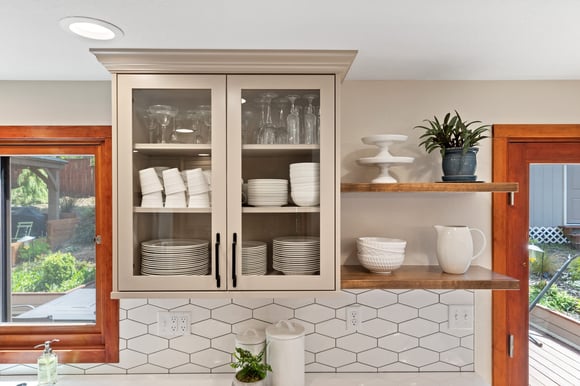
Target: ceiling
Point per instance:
(395, 39)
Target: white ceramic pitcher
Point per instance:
(455, 247)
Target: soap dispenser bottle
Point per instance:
(47, 364)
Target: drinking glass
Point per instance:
(267, 131)
(164, 115)
(310, 120)
(205, 119)
(280, 113)
(192, 116)
(293, 121)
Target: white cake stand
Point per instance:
(384, 160)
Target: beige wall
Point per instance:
(368, 107)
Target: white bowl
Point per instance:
(381, 263)
(382, 242)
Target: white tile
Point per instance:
(168, 304)
(318, 368)
(146, 314)
(19, 370)
(440, 366)
(223, 369)
(418, 298)
(356, 368)
(308, 327)
(338, 300)
(224, 343)
(210, 358)
(437, 312)
(377, 298)
(128, 304)
(418, 327)
(468, 368)
(211, 328)
(210, 303)
(231, 313)
(377, 328)
(168, 358)
(399, 367)
(129, 329)
(122, 343)
(147, 344)
(457, 297)
(467, 342)
(356, 291)
(294, 303)
(336, 357)
(356, 342)
(308, 357)
(148, 369)
(197, 313)
(439, 342)
(316, 343)
(189, 368)
(419, 357)
(398, 342)
(335, 328)
(398, 313)
(70, 370)
(122, 314)
(459, 332)
(273, 313)
(365, 312)
(458, 356)
(129, 359)
(105, 369)
(189, 343)
(253, 303)
(314, 313)
(377, 357)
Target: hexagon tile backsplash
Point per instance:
(399, 331)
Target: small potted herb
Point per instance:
(456, 140)
(252, 368)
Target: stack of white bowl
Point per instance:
(305, 183)
(151, 189)
(381, 254)
(267, 192)
(174, 189)
(197, 188)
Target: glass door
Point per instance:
(281, 182)
(171, 182)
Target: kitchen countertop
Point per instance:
(312, 379)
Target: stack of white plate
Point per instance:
(267, 192)
(197, 188)
(174, 189)
(297, 255)
(305, 183)
(175, 257)
(151, 188)
(254, 258)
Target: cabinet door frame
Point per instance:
(125, 182)
(327, 280)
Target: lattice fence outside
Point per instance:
(547, 235)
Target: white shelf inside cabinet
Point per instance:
(281, 209)
(275, 150)
(138, 209)
(172, 149)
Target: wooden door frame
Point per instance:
(514, 371)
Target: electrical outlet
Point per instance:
(460, 316)
(173, 323)
(352, 318)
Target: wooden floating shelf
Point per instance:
(431, 187)
(425, 277)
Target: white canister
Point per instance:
(285, 353)
(252, 340)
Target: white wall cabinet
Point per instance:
(270, 236)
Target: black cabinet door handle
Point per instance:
(217, 260)
(234, 244)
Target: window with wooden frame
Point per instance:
(58, 263)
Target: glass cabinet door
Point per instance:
(281, 182)
(171, 182)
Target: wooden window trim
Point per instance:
(98, 343)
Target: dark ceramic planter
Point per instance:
(459, 167)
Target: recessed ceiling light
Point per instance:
(91, 28)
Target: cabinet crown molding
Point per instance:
(161, 61)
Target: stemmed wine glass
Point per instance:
(293, 121)
(267, 131)
(204, 112)
(164, 115)
(310, 126)
(281, 110)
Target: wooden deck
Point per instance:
(555, 363)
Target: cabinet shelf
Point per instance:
(431, 187)
(425, 277)
(172, 149)
(282, 209)
(278, 150)
(138, 209)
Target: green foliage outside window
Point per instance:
(31, 189)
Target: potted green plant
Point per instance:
(252, 368)
(456, 140)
